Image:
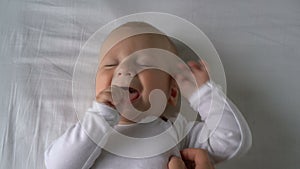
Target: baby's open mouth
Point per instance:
(133, 93)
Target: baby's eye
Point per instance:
(146, 65)
(110, 65)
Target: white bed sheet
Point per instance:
(41, 40)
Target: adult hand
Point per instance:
(193, 159)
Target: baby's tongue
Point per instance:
(133, 94)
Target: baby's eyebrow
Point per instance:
(110, 58)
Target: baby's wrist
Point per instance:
(190, 91)
(200, 91)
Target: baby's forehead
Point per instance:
(150, 39)
(144, 41)
(141, 42)
(144, 49)
(134, 33)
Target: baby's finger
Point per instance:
(198, 68)
(194, 65)
(181, 79)
(183, 67)
(204, 65)
(105, 97)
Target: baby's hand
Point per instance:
(105, 96)
(199, 72)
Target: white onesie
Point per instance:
(76, 150)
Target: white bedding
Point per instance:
(41, 40)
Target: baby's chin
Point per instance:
(137, 117)
(137, 113)
(131, 117)
(124, 120)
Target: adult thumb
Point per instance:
(176, 163)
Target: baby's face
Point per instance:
(119, 69)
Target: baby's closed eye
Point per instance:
(111, 65)
(146, 63)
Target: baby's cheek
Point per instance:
(103, 81)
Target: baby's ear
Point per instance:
(174, 93)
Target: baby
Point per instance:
(134, 63)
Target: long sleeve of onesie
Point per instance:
(223, 132)
(77, 147)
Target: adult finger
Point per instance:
(176, 163)
(198, 156)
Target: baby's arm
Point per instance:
(77, 148)
(224, 132)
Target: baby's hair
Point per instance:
(131, 29)
(177, 47)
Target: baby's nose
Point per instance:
(124, 73)
(125, 70)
